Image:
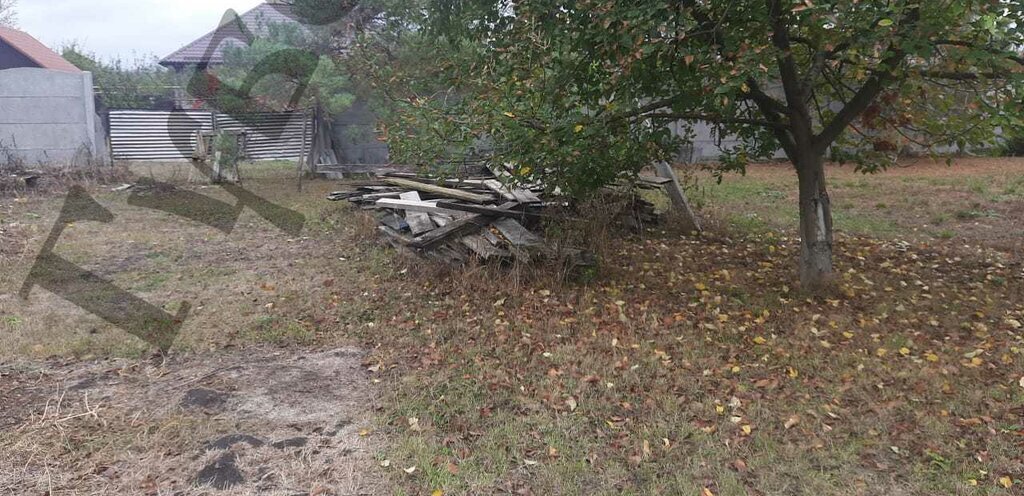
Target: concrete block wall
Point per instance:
(49, 117)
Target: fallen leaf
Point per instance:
(385, 463)
(792, 421)
(437, 492)
(414, 424)
(409, 470)
(1006, 482)
(747, 429)
(739, 465)
(571, 403)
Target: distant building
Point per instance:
(233, 31)
(47, 107)
(353, 135)
(20, 49)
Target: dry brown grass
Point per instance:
(639, 380)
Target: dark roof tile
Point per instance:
(210, 48)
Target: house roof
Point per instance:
(35, 50)
(209, 49)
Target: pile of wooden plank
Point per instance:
(455, 220)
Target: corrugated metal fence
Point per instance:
(161, 135)
(271, 136)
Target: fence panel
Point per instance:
(156, 135)
(160, 135)
(271, 136)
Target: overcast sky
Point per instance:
(124, 28)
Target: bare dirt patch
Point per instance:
(245, 421)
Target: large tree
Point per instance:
(578, 93)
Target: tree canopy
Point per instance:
(8, 16)
(284, 69)
(576, 94)
(136, 85)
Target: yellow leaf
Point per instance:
(792, 373)
(881, 352)
(904, 351)
(578, 128)
(848, 335)
(1006, 482)
(736, 369)
(760, 340)
(707, 492)
(931, 357)
(437, 492)
(700, 286)
(720, 409)
(747, 429)
(510, 115)
(972, 482)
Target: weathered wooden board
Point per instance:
(461, 226)
(393, 221)
(439, 190)
(429, 207)
(678, 196)
(657, 181)
(496, 186)
(395, 236)
(483, 248)
(419, 222)
(375, 196)
(516, 234)
(482, 209)
(441, 219)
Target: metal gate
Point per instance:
(160, 135)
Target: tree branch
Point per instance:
(717, 119)
(874, 86)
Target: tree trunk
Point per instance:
(815, 225)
